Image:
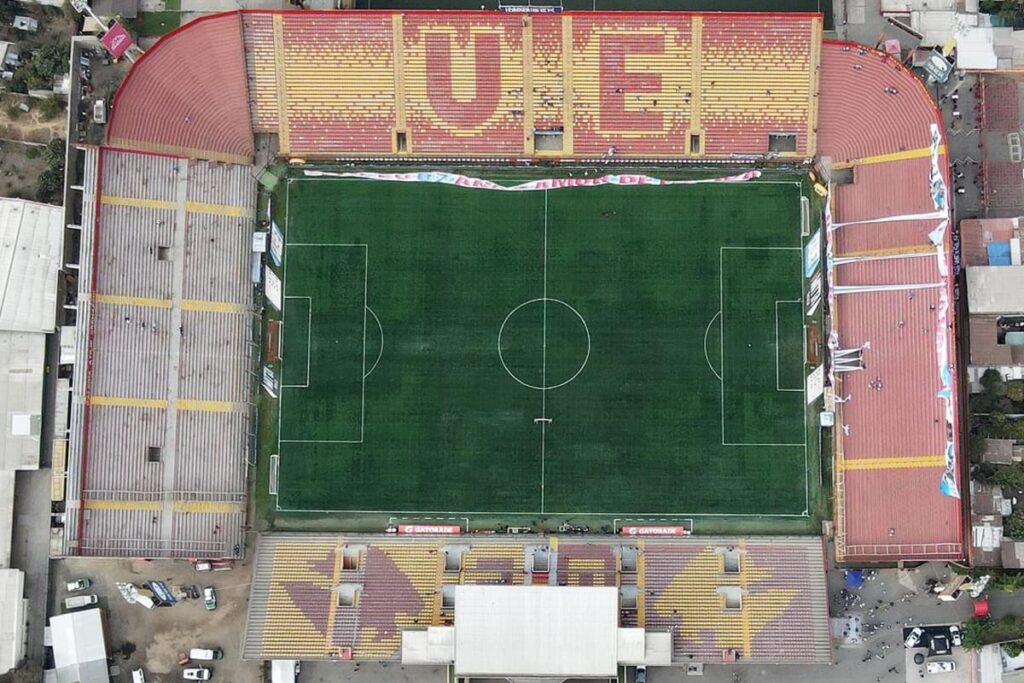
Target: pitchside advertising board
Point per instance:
(654, 531)
(413, 529)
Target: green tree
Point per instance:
(992, 398)
(1013, 526)
(53, 153)
(8, 8)
(1007, 9)
(51, 107)
(28, 672)
(976, 444)
(1011, 476)
(974, 632)
(48, 185)
(46, 62)
(1009, 582)
(1015, 391)
(51, 60)
(992, 382)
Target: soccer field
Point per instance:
(615, 351)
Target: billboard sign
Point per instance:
(412, 529)
(654, 531)
(116, 40)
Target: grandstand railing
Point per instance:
(909, 551)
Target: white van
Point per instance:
(138, 676)
(80, 601)
(206, 654)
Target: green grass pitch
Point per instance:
(616, 351)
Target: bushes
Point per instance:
(47, 62)
(1007, 9)
(1008, 581)
(986, 631)
(1013, 526)
(974, 632)
(51, 181)
(50, 108)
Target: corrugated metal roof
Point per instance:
(995, 289)
(31, 244)
(21, 398)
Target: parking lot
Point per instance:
(154, 639)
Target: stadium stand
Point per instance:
(492, 563)
(587, 564)
(428, 85)
(477, 84)
(897, 477)
(759, 77)
(173, 102)
(160, 424)
(296, 609)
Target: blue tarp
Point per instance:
(854, 578)
(998, 253)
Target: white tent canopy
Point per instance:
(79, 648)
(536, 631)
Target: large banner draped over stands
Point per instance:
(529, 186)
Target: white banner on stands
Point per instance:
(815, 384)
(276, 244)
(272, 287)
(813, 295)
(812, 254)
(533, 185)
(269, 381)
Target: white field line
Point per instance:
(544, 360)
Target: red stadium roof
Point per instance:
(188, 95)
(896, 434)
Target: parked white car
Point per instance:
(914, 637)
(198, 673)
(78, 585)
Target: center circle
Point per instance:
(544, 343)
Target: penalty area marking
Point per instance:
(721, 295)
(309, 332)
(706, 356)
(380, 353)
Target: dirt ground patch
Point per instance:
(30, 126)
(161, 634)
(19, 170)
